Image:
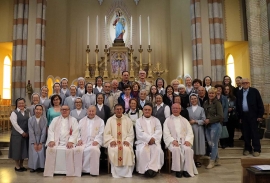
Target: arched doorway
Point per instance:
(230, 68)
(7, 78)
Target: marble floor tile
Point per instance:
(227, 173)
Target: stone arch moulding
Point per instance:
(136, 1)
(57, 79)
(49, 77)
(74, 82)
(49, 82)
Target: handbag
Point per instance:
(224, 133)
(233, 117)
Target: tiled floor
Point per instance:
(227, 173)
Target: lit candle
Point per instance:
(97, 32)
(88, 30)
(131, 31)
(140, 27)
(105, 29)
(148, 30)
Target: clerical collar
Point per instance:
(64, 117)
(132, 112)
(176, 116)
(118, 118)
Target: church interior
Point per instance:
(178, 46)
(54, 39)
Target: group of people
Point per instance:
(72, 127)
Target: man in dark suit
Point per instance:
(125, 81)
(203, 95)
(238, 82)
(250, 108)
(142, 99)
(184, 111)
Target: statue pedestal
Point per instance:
(118, 42)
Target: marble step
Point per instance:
(239, 150)
(233, 158)
(240, 143)
(4, 150)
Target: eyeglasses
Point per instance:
(64, 109)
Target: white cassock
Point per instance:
(60, 159)
(121, 157)
(178, 128)
(148, 156)
(88, 155)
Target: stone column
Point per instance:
(197, 50)
(259, 46)
(215, 13)
(19, 55)
(40, 44)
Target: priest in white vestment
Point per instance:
(87, 152)
(62, 137)
(149, 155)
(178, 137)
(118, 138)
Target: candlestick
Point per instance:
(87, 73)
(96, 71)
(149, 62)
(140, 50)
(148, 30)
(131, 62)
(88, 30)
(140, 27)
(131, 31)
(105, 70)
(97, 31)
(105, 31)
